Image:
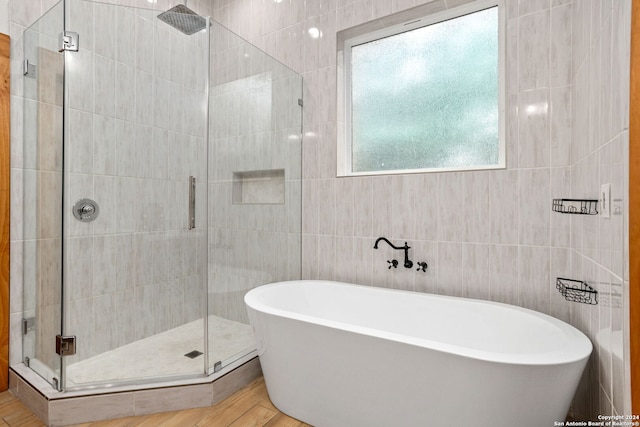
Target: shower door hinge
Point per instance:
(300, 103)
(28, 325)
(217, 366)
(27, 361)
(66, 346)
(28, 69)
(68, 40)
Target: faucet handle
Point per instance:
(422, 266)
(393, 264)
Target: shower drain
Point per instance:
(193, 354)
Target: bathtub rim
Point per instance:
(582, 345)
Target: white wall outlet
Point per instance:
(605, 200)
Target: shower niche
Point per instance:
(125, 120)
(259, 187)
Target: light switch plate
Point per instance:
(605, 200)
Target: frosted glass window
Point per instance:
(428, 98)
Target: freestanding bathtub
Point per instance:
(341, 355)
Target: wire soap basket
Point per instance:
(576, 206)
(577, 291)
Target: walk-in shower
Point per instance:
(161, 181)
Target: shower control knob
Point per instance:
(85, 210)
(393, 264)
(422, 266)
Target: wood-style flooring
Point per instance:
(250, 407)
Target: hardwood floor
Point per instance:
(250, 407)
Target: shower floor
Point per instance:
(163, 354)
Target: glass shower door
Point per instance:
(254, 187)
(134, 213)
(41, 243)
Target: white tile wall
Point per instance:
(488, 235)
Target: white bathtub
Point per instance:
(340, 355)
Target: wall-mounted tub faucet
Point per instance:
(407, 262)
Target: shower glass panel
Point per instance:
(42, 194)
(254, 186)
(134, 142)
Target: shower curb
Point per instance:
(65, 408)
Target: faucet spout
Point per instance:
(375, 246)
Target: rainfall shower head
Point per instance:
(183, 19)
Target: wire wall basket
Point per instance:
(577, 291)
(576, 206)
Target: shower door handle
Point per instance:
(192, 202)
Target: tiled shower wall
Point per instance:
(485, 234)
